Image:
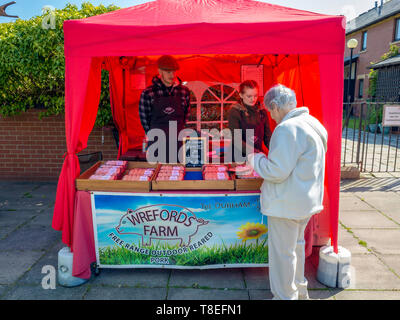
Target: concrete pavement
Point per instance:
(369, 228)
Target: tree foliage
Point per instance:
(32, 64)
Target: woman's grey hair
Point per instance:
(280, 96)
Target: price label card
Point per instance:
(195, 151)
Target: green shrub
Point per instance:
(32, 64)
(375, 114)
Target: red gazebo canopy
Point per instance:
(210, 38)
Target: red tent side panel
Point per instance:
(82, 95)
(331, 67)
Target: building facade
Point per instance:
(375, 30)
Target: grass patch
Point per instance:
(235, 253)
(354, 123)
(362, 243)
(347, 228)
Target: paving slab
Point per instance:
(345, 194)
(256, 278)
(352, 203)
(256, 294)
(365, 219)
(34, 275)
(122, 293)
(366, 184)
(44, 218)
(367, 295)
(371, 273)
(392, 261)
(321, 294)
(383, 174)
(231, 278)
(386, 202)
(206, 294)
(30, 238)
(19, 187)
(16, 218)
(347, 240)
(26, 292)
(360, 185)
(382, 241)
(22, 203)
(14, 264)
(46, 191)
(6, 230)
(149, 278)
(259, 294)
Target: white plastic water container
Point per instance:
(327, 272)
(65, 278)
(344, 271)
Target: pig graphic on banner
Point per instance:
(162, 222)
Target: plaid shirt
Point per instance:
(159, 89)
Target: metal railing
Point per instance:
(365, 142)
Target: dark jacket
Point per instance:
(159, 89)
(252, 115)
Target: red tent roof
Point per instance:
(171, 26)
(179, 12)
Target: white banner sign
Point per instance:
(391, 115)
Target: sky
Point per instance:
(26, 9)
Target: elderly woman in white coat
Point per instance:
(292, 190)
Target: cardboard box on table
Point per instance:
(84, 183)
(246, 184)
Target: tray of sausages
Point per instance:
(215, 172)
(171, 173)
(139, 174)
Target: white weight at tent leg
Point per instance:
(334, 269)
(64, 275)
(328, 266)
(344, 270)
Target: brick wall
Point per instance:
(33, 149)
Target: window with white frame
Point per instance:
(210, 105)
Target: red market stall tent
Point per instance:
(212, 40)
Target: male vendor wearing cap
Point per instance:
(164, 101)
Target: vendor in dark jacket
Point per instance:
(248, 114)
(165, 100)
